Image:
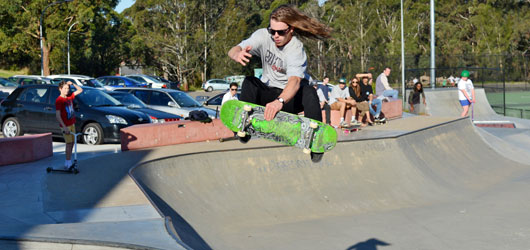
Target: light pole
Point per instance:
(433, 49)
(68, 38)
(40, 31)
(402, 59)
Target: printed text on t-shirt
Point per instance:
(274, 61)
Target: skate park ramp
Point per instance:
(442, 187)
(444, 102)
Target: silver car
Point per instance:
(6, 87)
(168, 100)
(215, 84)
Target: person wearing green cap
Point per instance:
(340, 100)
(466, 92)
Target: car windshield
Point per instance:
(93, 83)
(128, 100)
(7, 83)
(184, 100)
(97, 98)
(152, 79)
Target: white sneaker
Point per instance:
(355, 123)
(344, 124)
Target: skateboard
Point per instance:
(73, 169)
(247, 119)
(350, 129)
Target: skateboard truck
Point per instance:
(73, 168)
(307, 146)
(245, 115)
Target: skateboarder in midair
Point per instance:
(64, 113)
(284, 82)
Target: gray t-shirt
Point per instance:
(337, 92)
(279, 63)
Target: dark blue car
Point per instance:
(120, 81)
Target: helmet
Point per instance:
(342, 80)
(465, 73)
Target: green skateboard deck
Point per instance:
(285, 128)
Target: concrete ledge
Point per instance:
(156, 135)
(392, 110)
(27, 148)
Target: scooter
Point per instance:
(72, 169)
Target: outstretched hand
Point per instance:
(271, 109)
(243, 57)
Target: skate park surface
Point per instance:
(420, 182)
(444, 102)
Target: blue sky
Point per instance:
(124, 4)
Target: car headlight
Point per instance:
(116, 119)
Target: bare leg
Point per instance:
(464, 111)
(68, 151)
(343, 109)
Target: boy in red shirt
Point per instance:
(64, 112)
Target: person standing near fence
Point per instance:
(414, 97)
(466, 92)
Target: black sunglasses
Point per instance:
(280, 32)
(233, 89)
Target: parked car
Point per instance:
(132, 102)
(120, 82)
(215, 84)
(237, 79)
(169, 84)
(31, 79)
(215, 101)
(31, 109)
(150, 81)
(7, 86)
(80, 80)
(168, 100)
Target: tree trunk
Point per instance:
(46, 57)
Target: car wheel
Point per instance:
(209, 89)
(11, 127)
(93, 134)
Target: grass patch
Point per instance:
(7, 73)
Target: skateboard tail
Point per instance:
(324, 140)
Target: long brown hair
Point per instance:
(357, 88)
(303, 25)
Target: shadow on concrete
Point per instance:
(370, 244)
(182, 228)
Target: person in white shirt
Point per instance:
(466, 92)
(323, 101)
(340, 100)
(382, 88)
(231, 94)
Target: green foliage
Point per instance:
(188, 40)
